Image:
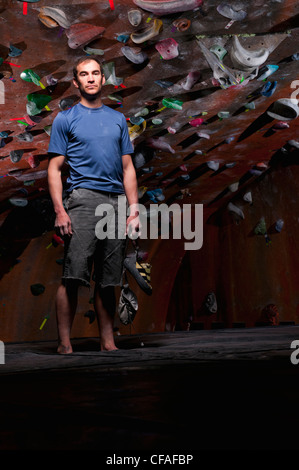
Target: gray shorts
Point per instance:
(98, 242)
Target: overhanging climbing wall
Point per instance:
(209, 92)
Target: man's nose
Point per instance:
(90, 78)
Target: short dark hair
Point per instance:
(87, 59)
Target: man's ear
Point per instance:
(103, 79)
(75, 83)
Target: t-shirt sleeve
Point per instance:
(126, 144)
(58, 138)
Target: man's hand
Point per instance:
(133, 226)
(63, 225)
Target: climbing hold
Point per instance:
(16, 155)
(142, 112)
(224, 75)
(55, 14)
(14, 51)
(219, 51)
(261, 229)
(250, 105)
(36, 102)
(134, 54)
(25, 137)
(93, 51)
(233, 187)
(270, 315)
(293, 143)
(37, 289)
(172, 103)
(223, 114)
(80, 34)
(213, 165)
(284, 109)
(135, 17)
(4, 134)
(135, 130)
(160, 144)
(168, 48)
(141, 191)
(109, 72)
(30, 76)
(116, 97)
(147, 169)
(90, 314)
(123, 38)
(203, 135)
(148, 33)
(191, 79)
(167, 7)
(266, 71)
(196, 122)
(246, 60)
(163, 83)
(33, 161)
(47, 129)
(65, 103)
(281, 125)
(18, 202)
(261, 165)
(210, 303)
(32, 120)
(230, 165)
(136, 120)
(156, 195)
(182, 24)
(157, 122)
(248, 197)
(236, 210)
(47, 21)
(56, 240)
(279, 225)
(230, 12)
(268, 89)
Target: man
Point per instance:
(94, 140)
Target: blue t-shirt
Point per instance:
(93, 141)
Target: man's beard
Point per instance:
(89, 97)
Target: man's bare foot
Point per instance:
(108, 347)
(64, 349)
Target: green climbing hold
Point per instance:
(36, 102)
(261, 228)
(29, 76)
(219, 51)
(172, 103)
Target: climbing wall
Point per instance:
(209, 90)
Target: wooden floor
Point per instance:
(191, 391)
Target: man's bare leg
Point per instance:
(104, 303)
(66, 304)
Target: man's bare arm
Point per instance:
(131, 190)
(62, 221)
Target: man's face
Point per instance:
(89, 79)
